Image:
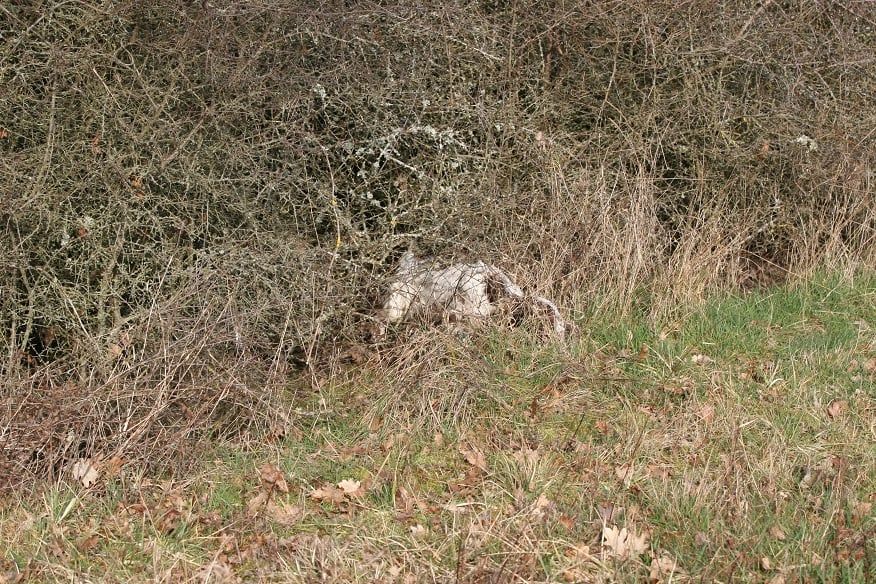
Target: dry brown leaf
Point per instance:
(542, 506)
(418, 531)
(285, 514)
(87, 543)
(217, 571)
(579, 551)
(256, 503)
(609, 513)
(707, 413)
(273, 478)
(169, 521)
(625, 473)
(766, 563)
(474, 456)
(113, 466)
(526, 456)
(777, 533)
(114, 351)
(566, 521)
(662, 567)
(622, 543)
(85, 471)
(351, 488)
(658, 471)
(837, 408)
(456, 507)
(861, 511)
(328, 493)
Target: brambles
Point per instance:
(199, 199)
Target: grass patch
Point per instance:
(734, 444)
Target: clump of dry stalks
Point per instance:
(200, 198)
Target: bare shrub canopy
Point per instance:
(186, 184)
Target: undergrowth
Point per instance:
(730, 442)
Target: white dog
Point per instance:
(457, 292)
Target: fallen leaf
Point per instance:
(113, 466)
(542, 506)
(475, 457)
(658, 472)
(660, 567)
(285, 514)
(701, 539)
(777, 533)
(273, 478)
(169, 521)
(766, 563)
(87, 543)
(85, 471)
(526, 456)
(707, 413)
(609, 513)
(217, 571)
(256, 503)
(418, 531)
(700, 359)
(329, 494)
(861, 511)
(837, 408)
(624, 472)
(456, 507)
(566, 521)
(114, 351)
(622, 543)
(579, 550)
(351, 487)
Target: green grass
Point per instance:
(718, 440)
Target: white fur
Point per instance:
(458, 291)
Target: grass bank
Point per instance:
(734, 442)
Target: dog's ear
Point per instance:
(407, 263)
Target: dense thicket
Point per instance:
(197, 195)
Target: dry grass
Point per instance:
(737, 439)
(200, 201)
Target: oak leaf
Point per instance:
(351, 488)
(85, 471)
(837, 408)
(474, 456)
(328, 493)
(273, 478)
(623, 543)
(285, 514)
